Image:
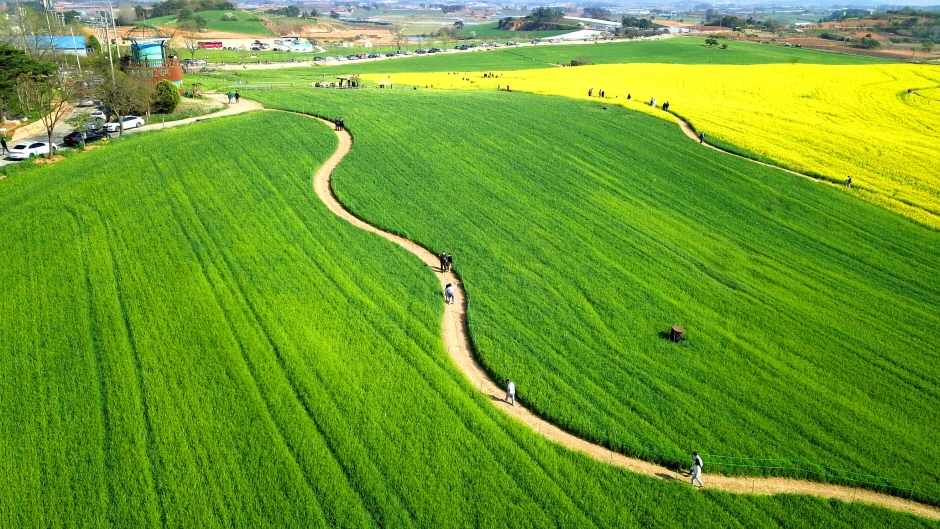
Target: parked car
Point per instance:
(434, 50)
(512, 43)
(90, 103)
(22, 151)
(98, 114)
(421, 52)
(401, 52)
(130, 122)
(389, 54)
(374, 55)
(74, 138)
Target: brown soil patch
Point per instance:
(55, 158)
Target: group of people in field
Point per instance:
(339, 124)
(236, 95)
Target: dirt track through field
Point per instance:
(457, 343)
(455, 335)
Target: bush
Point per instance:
(582, 61)
(165, 97)
(229, 17)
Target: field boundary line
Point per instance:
(455, 335)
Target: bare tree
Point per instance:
(190, 30)
(400, 38)
(124, 95)
(50, 96)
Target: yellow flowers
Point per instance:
(832, 121)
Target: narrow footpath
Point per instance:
(455, 335)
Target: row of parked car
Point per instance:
(29, 149)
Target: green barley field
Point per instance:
(677, 50)
(583, 234)
(190, 339)
(214, 22)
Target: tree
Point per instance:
(165, 97)
(927, 46)
(190, 31)
(711, 41)
(124, 96)
(334, 15)
(459, 25)
(141, 12)
(229, 17)
(400, 37)
(127, 15)
(445, 36)
(92, 42)
(15, 63)
(80, 123)
(48, 96)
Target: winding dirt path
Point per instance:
(456, 341)
(689, 132)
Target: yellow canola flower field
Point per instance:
(829, 121)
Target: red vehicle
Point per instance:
(210, 44)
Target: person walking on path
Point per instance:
(449, 294)
(510, 392)
(448, 262)
(701, 137)
(696, 471)
(3, 145)
(229, 97)
(443, 259)
(848, 181)
(237, 97)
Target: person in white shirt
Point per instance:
(449, 294)
(696, 471)
(510, 392)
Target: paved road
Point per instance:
(62, 129)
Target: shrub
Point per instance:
(165, 97)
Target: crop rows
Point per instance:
(190, 339)
(585, 237)
(831, 121)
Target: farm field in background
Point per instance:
(583, 238)
(831, 121)
(489, 30)
(676, 51)
(214, 22)
(191, 339)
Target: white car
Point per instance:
(22, 151)
(130, 122)
(98, 114)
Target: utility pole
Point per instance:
(77, 61)
(55, 56)
(114, 26)
(107, 40)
